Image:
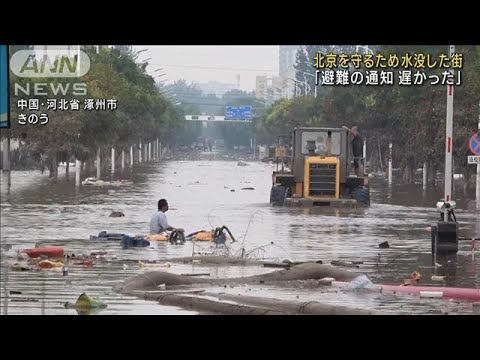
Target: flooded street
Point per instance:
(200, 197)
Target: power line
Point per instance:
(218, 105)
(180, 95)
(214, 68)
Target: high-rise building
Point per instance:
(215, 87)
(268, 88)
(287, 58)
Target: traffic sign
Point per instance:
(474, 144)
(238, 113)
(474, 159)
(230, 112)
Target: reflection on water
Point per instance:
(34, 211)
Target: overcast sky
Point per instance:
(201, 64)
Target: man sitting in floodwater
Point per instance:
(158, 221)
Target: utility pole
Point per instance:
(449, 139)
(445, 233)
(477, 191)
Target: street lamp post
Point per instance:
(310, 74)
(304, 82)
(301, 82)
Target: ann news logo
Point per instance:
(49, 63)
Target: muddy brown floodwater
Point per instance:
(33, 211)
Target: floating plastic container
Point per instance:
(50, 251)
(431, 294)
(360, 282)
(326, 281)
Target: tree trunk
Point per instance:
(408, 177)
(87, 167)
(6, 155)
(53, 168)
(99, 162)
(105, 164)
(466, 185)
(435, 170)
(67, 169)
(432, 173)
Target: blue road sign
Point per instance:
(474, 144)
(230, 112)
(238, 113)
(4, 118)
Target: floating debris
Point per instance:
(49, 251)
(16, 266)
(197, 274)
(85, 304)
(414, 279)
(326, 281)
(431, 294)
(384, 245)
(96, 182)
(24, 300)
(117, 214)
(47, 264)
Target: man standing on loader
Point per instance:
(357, 150)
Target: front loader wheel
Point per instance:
(362, 195)
(278, 193)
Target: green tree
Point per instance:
(143, 114)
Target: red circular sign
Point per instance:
(474, 144)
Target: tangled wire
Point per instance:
(221, 248)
